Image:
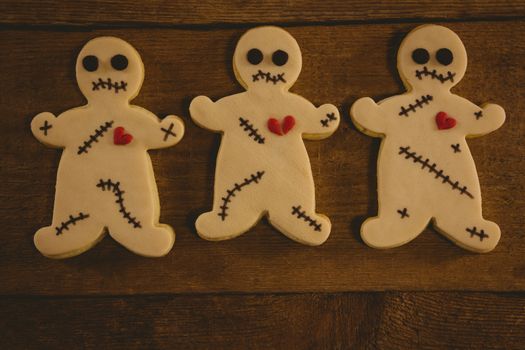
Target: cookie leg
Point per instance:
(148, 240)
(301, 223)
(130, 209)
(70, 235)
(237, 207)
(397, 223)
(215, 227)
(478, 235)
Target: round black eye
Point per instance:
(254, 56)
(444, 56)
(280, 58)
(90, 63)
(420, 56)
(119, 62)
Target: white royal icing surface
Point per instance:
(425, 169)
(262, 166)
(105, 178)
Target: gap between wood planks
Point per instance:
(80, 27)
(265, 294)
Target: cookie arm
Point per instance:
(163, 133)
(323, 123)
(367, 117)
(47, 129)
(479, 121)
(203, 111)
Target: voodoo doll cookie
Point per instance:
(425, 168)
(262, 166)
(105, 178)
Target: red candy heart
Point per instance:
(274, 126)
(287, 125)
(121, 138)
(444, 122)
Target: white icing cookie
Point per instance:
(262, 165)
(105, 178)
(425, 169)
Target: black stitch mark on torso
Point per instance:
(94, 138)
(273, 78)
(254, 178)
(72, 221)
(245, 123)
(403, 213)
(425, 100)
(108, 84)
(434, 75)
(46, 127)
(115, 188)
(301, 214)
(168, 132)
(456, 148)
(432, 169)
(473, 232)
(478, 114)
(330, 117)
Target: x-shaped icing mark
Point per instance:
(45, 127)
(330, 117)
(403, 213)
(456, 148)
(108, 84)
(473, 232)
(268, 77)
(434, 75)
(478, 114)
(168, 132)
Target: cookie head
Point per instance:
(109, 68)
(432, 56)
(267, 58)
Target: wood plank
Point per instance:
(341, 63)
(290, 321)
(452, 321)
(206, 12)
(180, 322)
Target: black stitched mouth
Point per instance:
(109, 84)
(434, 75)
(267, 77)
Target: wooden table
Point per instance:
(260, 290)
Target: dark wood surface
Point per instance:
(229, 13)
(392, 320)
(188, 298)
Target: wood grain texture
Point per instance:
(110, 298)
(199, 12)
(294, 321)
(452, 321)
(341, 63)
